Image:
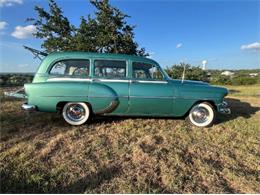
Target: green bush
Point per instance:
(244, 80)
(238, 80)
(221, 80)
(191, 72)
(15, 79)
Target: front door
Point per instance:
(149, 92)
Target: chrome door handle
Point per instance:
(133, 81)
(93, 80)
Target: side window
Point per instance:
(110, 68)
(146, 71)
(74, 68)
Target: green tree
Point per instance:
(106, 32)
(191, 72)
(55, 29)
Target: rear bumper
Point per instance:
(28, 107)
(224, 108)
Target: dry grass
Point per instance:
(40, 153)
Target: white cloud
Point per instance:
(179, 45)
(8, 3)
(23, 32)
(253, 46)
(3, 24)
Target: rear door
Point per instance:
(113, 74)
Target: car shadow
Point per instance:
(232, 91)
(238, 109)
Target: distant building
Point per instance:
(253, 74)
(227, 73)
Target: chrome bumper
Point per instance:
(28, 107)
(223, 108)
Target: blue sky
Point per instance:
(225, 33)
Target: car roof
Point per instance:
(55, 56)
(78, 54)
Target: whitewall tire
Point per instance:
(76, 113)
(202, 115)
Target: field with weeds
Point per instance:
(40, 153)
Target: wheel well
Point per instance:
(60, 106)
(200, 101)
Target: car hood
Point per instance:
(188, 82)
(200, 86)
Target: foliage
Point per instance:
(107, 32)
(214, 76)
(221, 80)
(237, 80)
(191, 72)
(240, 80)
(13, 79)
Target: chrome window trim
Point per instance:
(104, 80)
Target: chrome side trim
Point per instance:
(68, 79)
(110, 108)
(143, 97)
(111, 80)
(105, 80)
(141, 81)
(152, 97)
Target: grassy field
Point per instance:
(39, 152)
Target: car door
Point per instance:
(149, 92)
(112, 75)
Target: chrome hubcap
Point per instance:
(200, 115)
(75, 112)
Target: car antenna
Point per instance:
(36, 53)
(183, 73)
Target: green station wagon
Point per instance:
(80, 84)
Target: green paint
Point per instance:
(166, 97)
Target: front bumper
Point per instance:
(28, 107)
(224, 108)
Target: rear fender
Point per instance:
(102, 98)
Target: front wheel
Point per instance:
(202, 115)
(75, 113)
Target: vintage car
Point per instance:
(80, 84)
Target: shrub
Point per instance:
(221, 80)
(15, 79)
(244, 81)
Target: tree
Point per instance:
(107, 32)
(191, 72)
(55, 29)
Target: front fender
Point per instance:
(188, 95)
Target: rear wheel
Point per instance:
(202, 115)
(76, 113)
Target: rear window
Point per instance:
(74, 68)
(110, 68)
